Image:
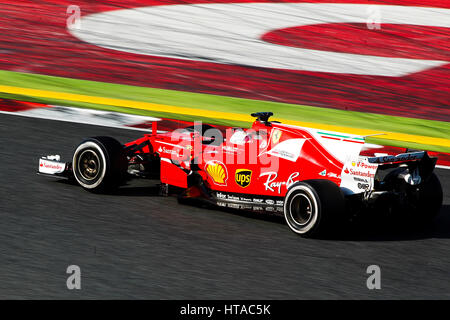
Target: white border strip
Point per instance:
(87, 116)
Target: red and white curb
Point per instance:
(161, 27)
(77, 115)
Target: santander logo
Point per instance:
(51, 165)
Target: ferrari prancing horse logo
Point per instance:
(243, 177)
(276, 135)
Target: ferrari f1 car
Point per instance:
(314, 178)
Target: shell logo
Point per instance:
(218, 172)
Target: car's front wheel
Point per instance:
(311, 206)
(99, 164)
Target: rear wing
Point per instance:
(402, 157)
(417, 160)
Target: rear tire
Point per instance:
(99, 164)
(311, 207)
(428, 201)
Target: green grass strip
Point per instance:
(423, 127)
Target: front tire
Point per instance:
(311, 207)
(99, 164)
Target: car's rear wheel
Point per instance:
(311, 206)
(426, 202)
(99, 164)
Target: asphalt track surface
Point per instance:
(135, 245)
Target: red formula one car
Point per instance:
(315, 178)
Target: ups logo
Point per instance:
(243, 177)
